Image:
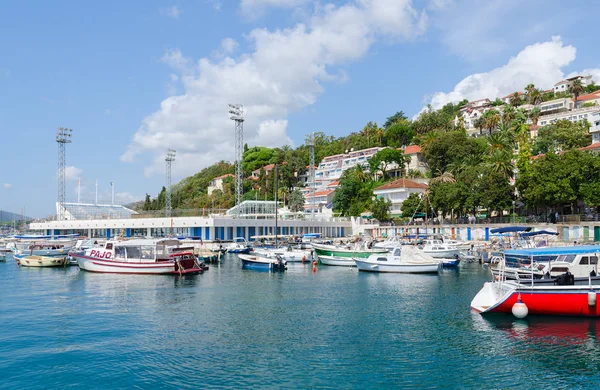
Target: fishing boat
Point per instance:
(389, 243)
(239, 245)
(263, 263)
(288, 254)
(140, 256)
(401, 260)
(338, 261)
(580, 265)
(440, 250)
(349, 251)
(41, 261)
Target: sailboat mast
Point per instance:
(276, 191)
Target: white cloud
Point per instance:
(540, 64)
(284, 73)
(7, 185)
(172, 12)
(228, 46)
(72, 173)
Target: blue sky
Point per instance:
(135, 78)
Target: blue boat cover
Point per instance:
(511, 229)
(558, 250)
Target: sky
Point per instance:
(135, 78)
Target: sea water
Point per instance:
(336, 328)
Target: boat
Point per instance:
(580, 265)
(47, 248)
(564, 294)
(349, 251)
(288, 254)
(140, 256)
(450, 263)
(401, 260)
(389, 244)
(339, 261)
(239, 245)
(440, 250)
(41, 261)
(263, 263)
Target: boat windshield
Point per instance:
(147, 252)
(397, 252)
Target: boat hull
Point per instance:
(337, 261)
(369, 266)
(260, 263)
(443, 254)
(326, 250)
(239, 250)
(540, 300)
(91, 264)
(42, 261)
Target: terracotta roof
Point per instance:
(321, 193)
(593, 95)
(333, 184)
(591, 147)
(511, 94)
(401, 183)
(223, 176)
(412, 149)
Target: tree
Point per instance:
(576, 88)
(296, 201)
(397, 117)
(529, 89)
(562, 135)
(257, 157)
(592, 87)
(354, 192)
(400, 133)
(147, 203)
(508, 114)
(380, 208)
(382, 159)
(535, 97)
(534, 114)
(370, 130)
(412, 205)
(515, 100)
(451, 147)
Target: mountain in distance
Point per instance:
(7, 216)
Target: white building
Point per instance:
(564, 85)
(589, 99)
(217, 183)
(398, 191)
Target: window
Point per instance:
(133, 252)
(147, 252)
(584, 260)
(120, 252)
(109, 245)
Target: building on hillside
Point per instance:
(322, 198)
(575, 115)
(594, 120)
(82, 211)
(556, 106)
(506, 99)
(267, 168)
(589, 99)
(217, 183)
(416, 162)
(331, 168)
(564, 85)
(398, 191)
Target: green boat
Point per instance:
(338, 251)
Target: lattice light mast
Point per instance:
(169, 160)
(236, 114)
(310, 142)
(63, 137)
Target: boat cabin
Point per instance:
(139, 250)
(580, 265)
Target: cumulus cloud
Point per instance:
(172, 12)
(7, 185)
(540, 64)
(284, 72)
(228, 46)
(72, 173)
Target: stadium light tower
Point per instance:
(236, 114)
(169, 160)
(63, 137)
(310, 142)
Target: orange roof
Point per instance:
(321, 193)
(333, 184)
(401, 183)
(223, 176)
(591, 147)
(593, 95)
(511, 95)
(412, 149)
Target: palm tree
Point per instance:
(446, 177)
(529, 89)
(576, 88)
(361, 175)
(493, 120)
(508, 114)
(535, 97)
(479, 123)
(380, 131)
(500, 162)
(515, 100)
(534, 115)
(497, 141)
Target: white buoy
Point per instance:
(592, 298)
(520, 309)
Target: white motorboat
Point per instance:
(262, 263)
(239, 245)
(440, 250)
(402, 260)
(42, 261)
(388, 244)
(336, 260)
(140, 256)
(288, 254)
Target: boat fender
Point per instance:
(592, 298)
(314, 269)
(520, 309)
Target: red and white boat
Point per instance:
(564, 295)
(140, 256)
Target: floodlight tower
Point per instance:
(236, 112)
(63, 137)
(310, 142)
(169, 160)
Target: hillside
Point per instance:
(7, 216)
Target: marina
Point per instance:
(337, 327)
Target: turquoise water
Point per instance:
(337, 328)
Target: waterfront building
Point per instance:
(398, 191)
(78, 211)
(589, 99)
(217, 183)
(257, 218)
